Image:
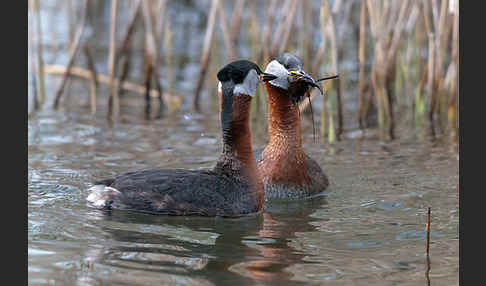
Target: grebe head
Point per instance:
(291, 75)
(241, 77)
(238, 81)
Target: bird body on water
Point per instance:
(232, 188)
(287, 171)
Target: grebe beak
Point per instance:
(305, 77)
(267, 77)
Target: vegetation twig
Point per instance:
(362, 35)
(228, 42)
(205, 54)
(427, 228)
(102, 78)
(33, 70)
(112, 97)
(73, 52)
(236, 20)
(40, 61)
(93, 83)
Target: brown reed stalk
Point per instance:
(282, 43)
(334, 134)
(430, 84)
(382, 17)
(168, 56)
(427, 228)
(258, 104)
(101, 78)
(93, 83)
(236, 19)
(40, 61)
(75, 47)
(362, 35)
(427, 247)
(323, 18)
(33, 70)
(265, 51)
(276, 37)
(441, 36)
(205, 54)
(228, 42)
(304, 35)
(160, 20)
(70, 13)
(454, 79)
(111, 59)
(123, 52)
(151, 49)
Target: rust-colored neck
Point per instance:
(283, 160)
(283, 119)
(237, 144)
(240, 144)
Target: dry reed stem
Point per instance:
(427, 228)
(168, 55)
(430, 84)
(427, 246)
(161, 25)
(93, 83)
(102, 78)
(385, 50)
(362, 37)
(151, 57)
(236, 19)
(276, 39)
(123, 54)
(454, 78)
(70, 13)
(160, 20)
(40, 61)
(73, 52)
(111, 59)
(33, 69)
(440, 46)
(228, 42)
(290, 15)
(129, 31)
(335, 8)
(334, 70)
(323, 18)
(205, 53)
(304, 25)
(266, 35)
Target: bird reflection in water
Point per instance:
(245, 251)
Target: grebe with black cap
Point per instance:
(232, 188)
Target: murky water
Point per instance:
(368, 230)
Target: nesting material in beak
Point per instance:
(302, 76)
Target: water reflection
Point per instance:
(242, 251)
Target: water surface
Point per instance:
(368, 229)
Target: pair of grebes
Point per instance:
(242, 178)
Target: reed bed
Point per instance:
(396, 60)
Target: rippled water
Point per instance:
(369, 229)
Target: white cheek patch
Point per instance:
(277, 69)
(220, 89)
(249, 85)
